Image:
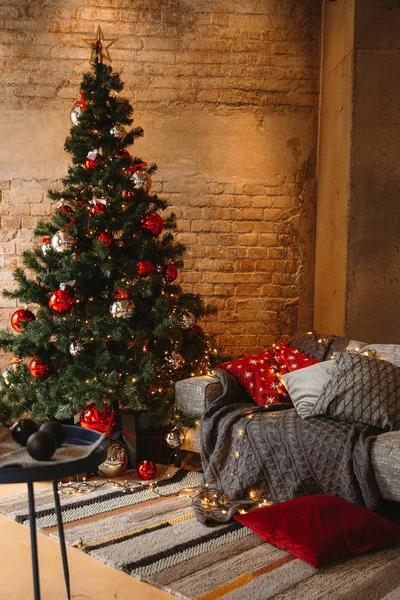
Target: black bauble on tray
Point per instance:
(41, 445)
(22, 430)
(55, 429)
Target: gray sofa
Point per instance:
(194, 395)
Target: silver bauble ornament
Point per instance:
(10, 369)
(141, 181)
(75, 348)
(76, 113)
(46, 244)
(186, 320)
(174, 438)
(122, 308)
(175, 360)
(116, 461)
(62, 242)
(118, 131)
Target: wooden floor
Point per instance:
(90, 579)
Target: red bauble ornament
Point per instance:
(91, 164)
(196, 330)
(91, 160)
(146, 469)
(106, 238)
(98, 206)
(103, 421)
(40, 368)
(65, 208)
(129, 195)
(171, 272)
(152, 223)
(21, 315)
(144, 268)
(123, 153)
(61, 301)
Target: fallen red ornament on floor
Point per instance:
(146, 469)
(20, 316)
(102, 421)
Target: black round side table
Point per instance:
(53, 470)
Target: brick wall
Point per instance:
(227, 92)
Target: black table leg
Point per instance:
(62, 538)
(32, 524)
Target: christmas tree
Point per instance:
(112, 325)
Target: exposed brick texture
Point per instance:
(227, 92)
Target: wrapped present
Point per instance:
(144, 443)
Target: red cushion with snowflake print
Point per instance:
(259, 373)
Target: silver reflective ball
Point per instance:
(175, 360)
(75, 348)
(116, 461)
(141, 180)
(187, 320)
(118, 131)
(62, 242)
(76, 113)
(9, 370)
(122, 308)
(46, 247)
(174, 438)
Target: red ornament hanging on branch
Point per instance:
(103, 421)
(105, 238)
(144, 268)
(152, 223)
(40, 368)
(123, 153)
(146, 469)
(171, 273)
(46, 246)
(98, 206)
(65, 208)
(22, 315)
(196, 330)
(61, 301)
(91, 160)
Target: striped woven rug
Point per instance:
(157, 539)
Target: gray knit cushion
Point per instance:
(389, 352)
(192, 396)
(361, 390)
(385, 458)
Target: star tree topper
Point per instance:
(99, 46)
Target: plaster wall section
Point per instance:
(374, 244)
(334, 167)
(227, 93)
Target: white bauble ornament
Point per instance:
(118, 131)
(174, 438)
(186, 320)
(141, 180)
(75, 348)
(175, 360)
(76, 113)
(62, 242)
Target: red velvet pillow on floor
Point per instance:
(258, 373)
(321, 528)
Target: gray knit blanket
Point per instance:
(253, 454)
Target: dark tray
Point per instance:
(62, 468)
